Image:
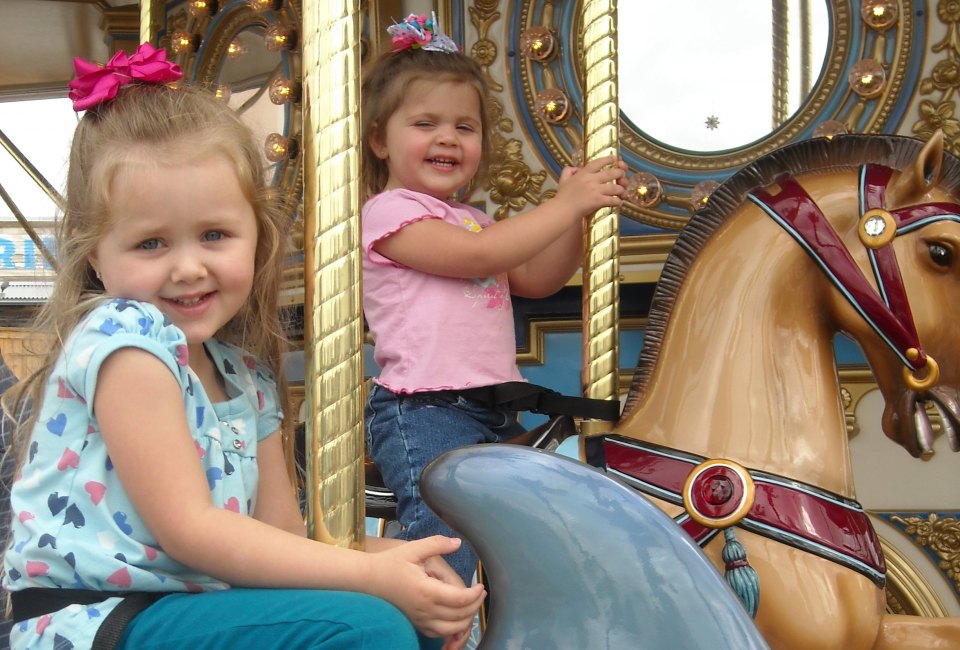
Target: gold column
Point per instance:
(151, 17)
(333, 321)
(601, 267)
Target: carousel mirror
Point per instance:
(739, 72)
(701, 96)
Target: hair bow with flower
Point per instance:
(419, 32)
(94, 84)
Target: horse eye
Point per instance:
(940, 254)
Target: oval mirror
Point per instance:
(738, 72)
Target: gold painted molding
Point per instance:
(939, 110)
(938, 536)
(908, 592)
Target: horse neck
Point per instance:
(745, 369)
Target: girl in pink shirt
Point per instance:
(438, 274)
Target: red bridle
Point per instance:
(886, 309)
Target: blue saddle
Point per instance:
(575, 559)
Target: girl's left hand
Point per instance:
(457, 641)
(437, 567)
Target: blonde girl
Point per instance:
(152, 508)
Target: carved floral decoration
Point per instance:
(938, 534)
(938, 112)
(510, 181)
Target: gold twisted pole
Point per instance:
(333, 322)
(601, 267)
(781, 67)
(151, 14)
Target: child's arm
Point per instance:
(140, 409)
(277, 506)
(276, 503)
(547, 272)
(436, 247)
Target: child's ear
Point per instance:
(94, 263)
(376, 143)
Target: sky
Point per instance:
(41, 130)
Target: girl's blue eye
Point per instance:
(150, 244)
(213, 235)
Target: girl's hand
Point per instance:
(601, 183)
(414, 577)
(438, 568)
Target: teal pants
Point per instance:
(264, 619)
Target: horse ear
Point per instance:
(923, 173)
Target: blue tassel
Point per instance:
(741, 577)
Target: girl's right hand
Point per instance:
(435, 607)
(601, 183)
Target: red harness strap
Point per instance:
(791, 512)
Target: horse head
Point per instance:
(923, 249)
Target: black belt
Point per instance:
(524, 396)
(34, 602)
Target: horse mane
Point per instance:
(816, 155)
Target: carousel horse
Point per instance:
(734, 422)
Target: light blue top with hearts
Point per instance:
(73, 524)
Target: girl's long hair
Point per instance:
(170, 125)
(384, 86)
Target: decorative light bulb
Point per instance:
(222, 92)
(278, 38)
(829, 129)
(553, 105)
(203, 8)
(867, 78)
(283, 90)
(278, 148)
(263, 6)
(182, 42)
(538, 44)
(879, 14)
(700, 194)
(236, 49)
(644, 189)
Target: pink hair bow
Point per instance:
(94, 84)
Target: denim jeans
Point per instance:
(405, 432)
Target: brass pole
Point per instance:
(151, 17)
(781, 63)
(333, 319)
(601, 267)
(806, 50)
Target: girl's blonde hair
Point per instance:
(169, 124)
(382, 93)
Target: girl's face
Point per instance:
(432, 142)
(182, 237)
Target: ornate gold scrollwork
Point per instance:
(938, 536)
(939, 111)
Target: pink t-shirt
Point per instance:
(433, 332)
